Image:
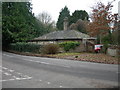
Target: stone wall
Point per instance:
(112, 52)
(78, 49)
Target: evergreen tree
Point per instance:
(0, 14)
(18, 23)
(64, 13)
(79, 14)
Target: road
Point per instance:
(19, 71)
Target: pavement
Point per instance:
(19, 71)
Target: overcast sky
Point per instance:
(53, 7)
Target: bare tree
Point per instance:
(44, 17)
(47, 21)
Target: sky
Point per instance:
(53, 7)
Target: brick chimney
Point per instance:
(65, 24)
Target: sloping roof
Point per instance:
(65, 34)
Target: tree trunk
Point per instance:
(100, 39)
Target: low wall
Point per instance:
(78, 49)
(112, 52)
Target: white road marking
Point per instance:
(12, 54)
(61, 65)
(8, 74)
(3, 80)
(67, 66)
(16, 55)
(19, 73)
(44, 63)
(48, 82)
(5, 68)
(23, 77)
(28, 60)
(31, 60)
(41, 62)
(60, 86)
(11, 79)
(15, 79)
(3, 54)
(11, 70)
(29, 78)
(26, 76)
(8, 55)
(18, 78)
(36, 61)
(40, 80)
(31, 57)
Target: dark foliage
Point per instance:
(50, 49)
(25, 47)
(64, 13)
(19, 23)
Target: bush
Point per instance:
(69, 45)
(76, 56)
(25, 47)
(50, 49)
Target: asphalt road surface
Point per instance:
(19, 71)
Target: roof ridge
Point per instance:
(64, 34)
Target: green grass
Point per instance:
(66, 54)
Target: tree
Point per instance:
(44, 17)
(115, 31)
(101, 19)
(79, 20)
(18, 23)
(46, 20)
(64, 13)
(0, 15)
(79, 14)
(80, 25)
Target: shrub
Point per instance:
(50, 49)
(69, 45)
(105, 47)
(25, 47)
(76, 56)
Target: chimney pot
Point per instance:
(66, 23)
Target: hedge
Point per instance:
(69, 45)
(25, 47)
